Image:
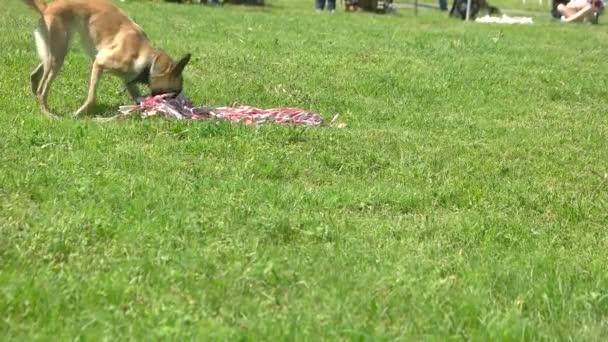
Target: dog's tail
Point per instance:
(38, 5)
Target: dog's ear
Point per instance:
(161, 65)
(179, 66)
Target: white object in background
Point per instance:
(505, 19)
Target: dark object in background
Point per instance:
(443, 5)
(351, 5)
(554, 12)
(320, 5)
(244, 2)
(378, 6)
(459, 9)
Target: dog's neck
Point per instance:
(143, 76)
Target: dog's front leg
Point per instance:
(133, 92)
(96, 72)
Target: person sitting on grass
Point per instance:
(581, 10)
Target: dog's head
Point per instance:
(166, 75)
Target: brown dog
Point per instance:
(115, 43)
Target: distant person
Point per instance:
(581, 10)
(320, 5)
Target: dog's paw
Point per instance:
(48, 114)
(82, 110)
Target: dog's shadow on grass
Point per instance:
(102, 110)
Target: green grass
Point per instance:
(467, 199)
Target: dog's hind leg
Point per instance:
(57, 46)
(40, 38)
(35, 78)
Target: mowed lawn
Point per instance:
(466, 199)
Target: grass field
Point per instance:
(466, 199)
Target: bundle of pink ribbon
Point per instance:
(182, 109)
